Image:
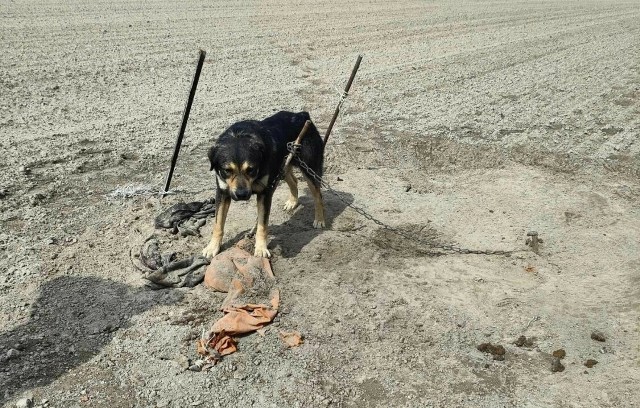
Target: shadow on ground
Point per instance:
(72, 319)
(295, 233)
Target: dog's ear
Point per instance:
(212, 157)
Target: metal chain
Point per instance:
(293, 148)
(405, 234)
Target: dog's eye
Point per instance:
(252, 171)
(225, 172)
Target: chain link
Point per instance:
(445, 248)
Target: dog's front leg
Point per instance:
(223, 201)
(262, 228)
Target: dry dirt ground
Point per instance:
(470, 122)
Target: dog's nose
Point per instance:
(243, 194)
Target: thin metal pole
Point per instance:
(342, 98)
(183, 126)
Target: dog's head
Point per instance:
(237, 161)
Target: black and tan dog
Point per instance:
(246, 160)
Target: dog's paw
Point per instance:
(211, 250)
(318, 224)
(290, 205)
(262, 251)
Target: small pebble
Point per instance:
(496, 350)
(598, 336)
(590, 363)
(490, 348)
(523, 341)
(560, 353)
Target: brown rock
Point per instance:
(523, 341)
(496, 350)
(590, 363)
(598, 336)
(560, 353)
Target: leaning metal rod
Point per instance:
(185, 118)
(342, 98)
(297, 142)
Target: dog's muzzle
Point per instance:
(241, 195)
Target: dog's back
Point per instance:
(285, 126)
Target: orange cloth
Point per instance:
(221, 343)
(291, 339)
(234, 271)
(239, 319)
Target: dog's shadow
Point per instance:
(71, 320)
(296, 232)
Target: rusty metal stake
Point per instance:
(183, 126)
(342, 98)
